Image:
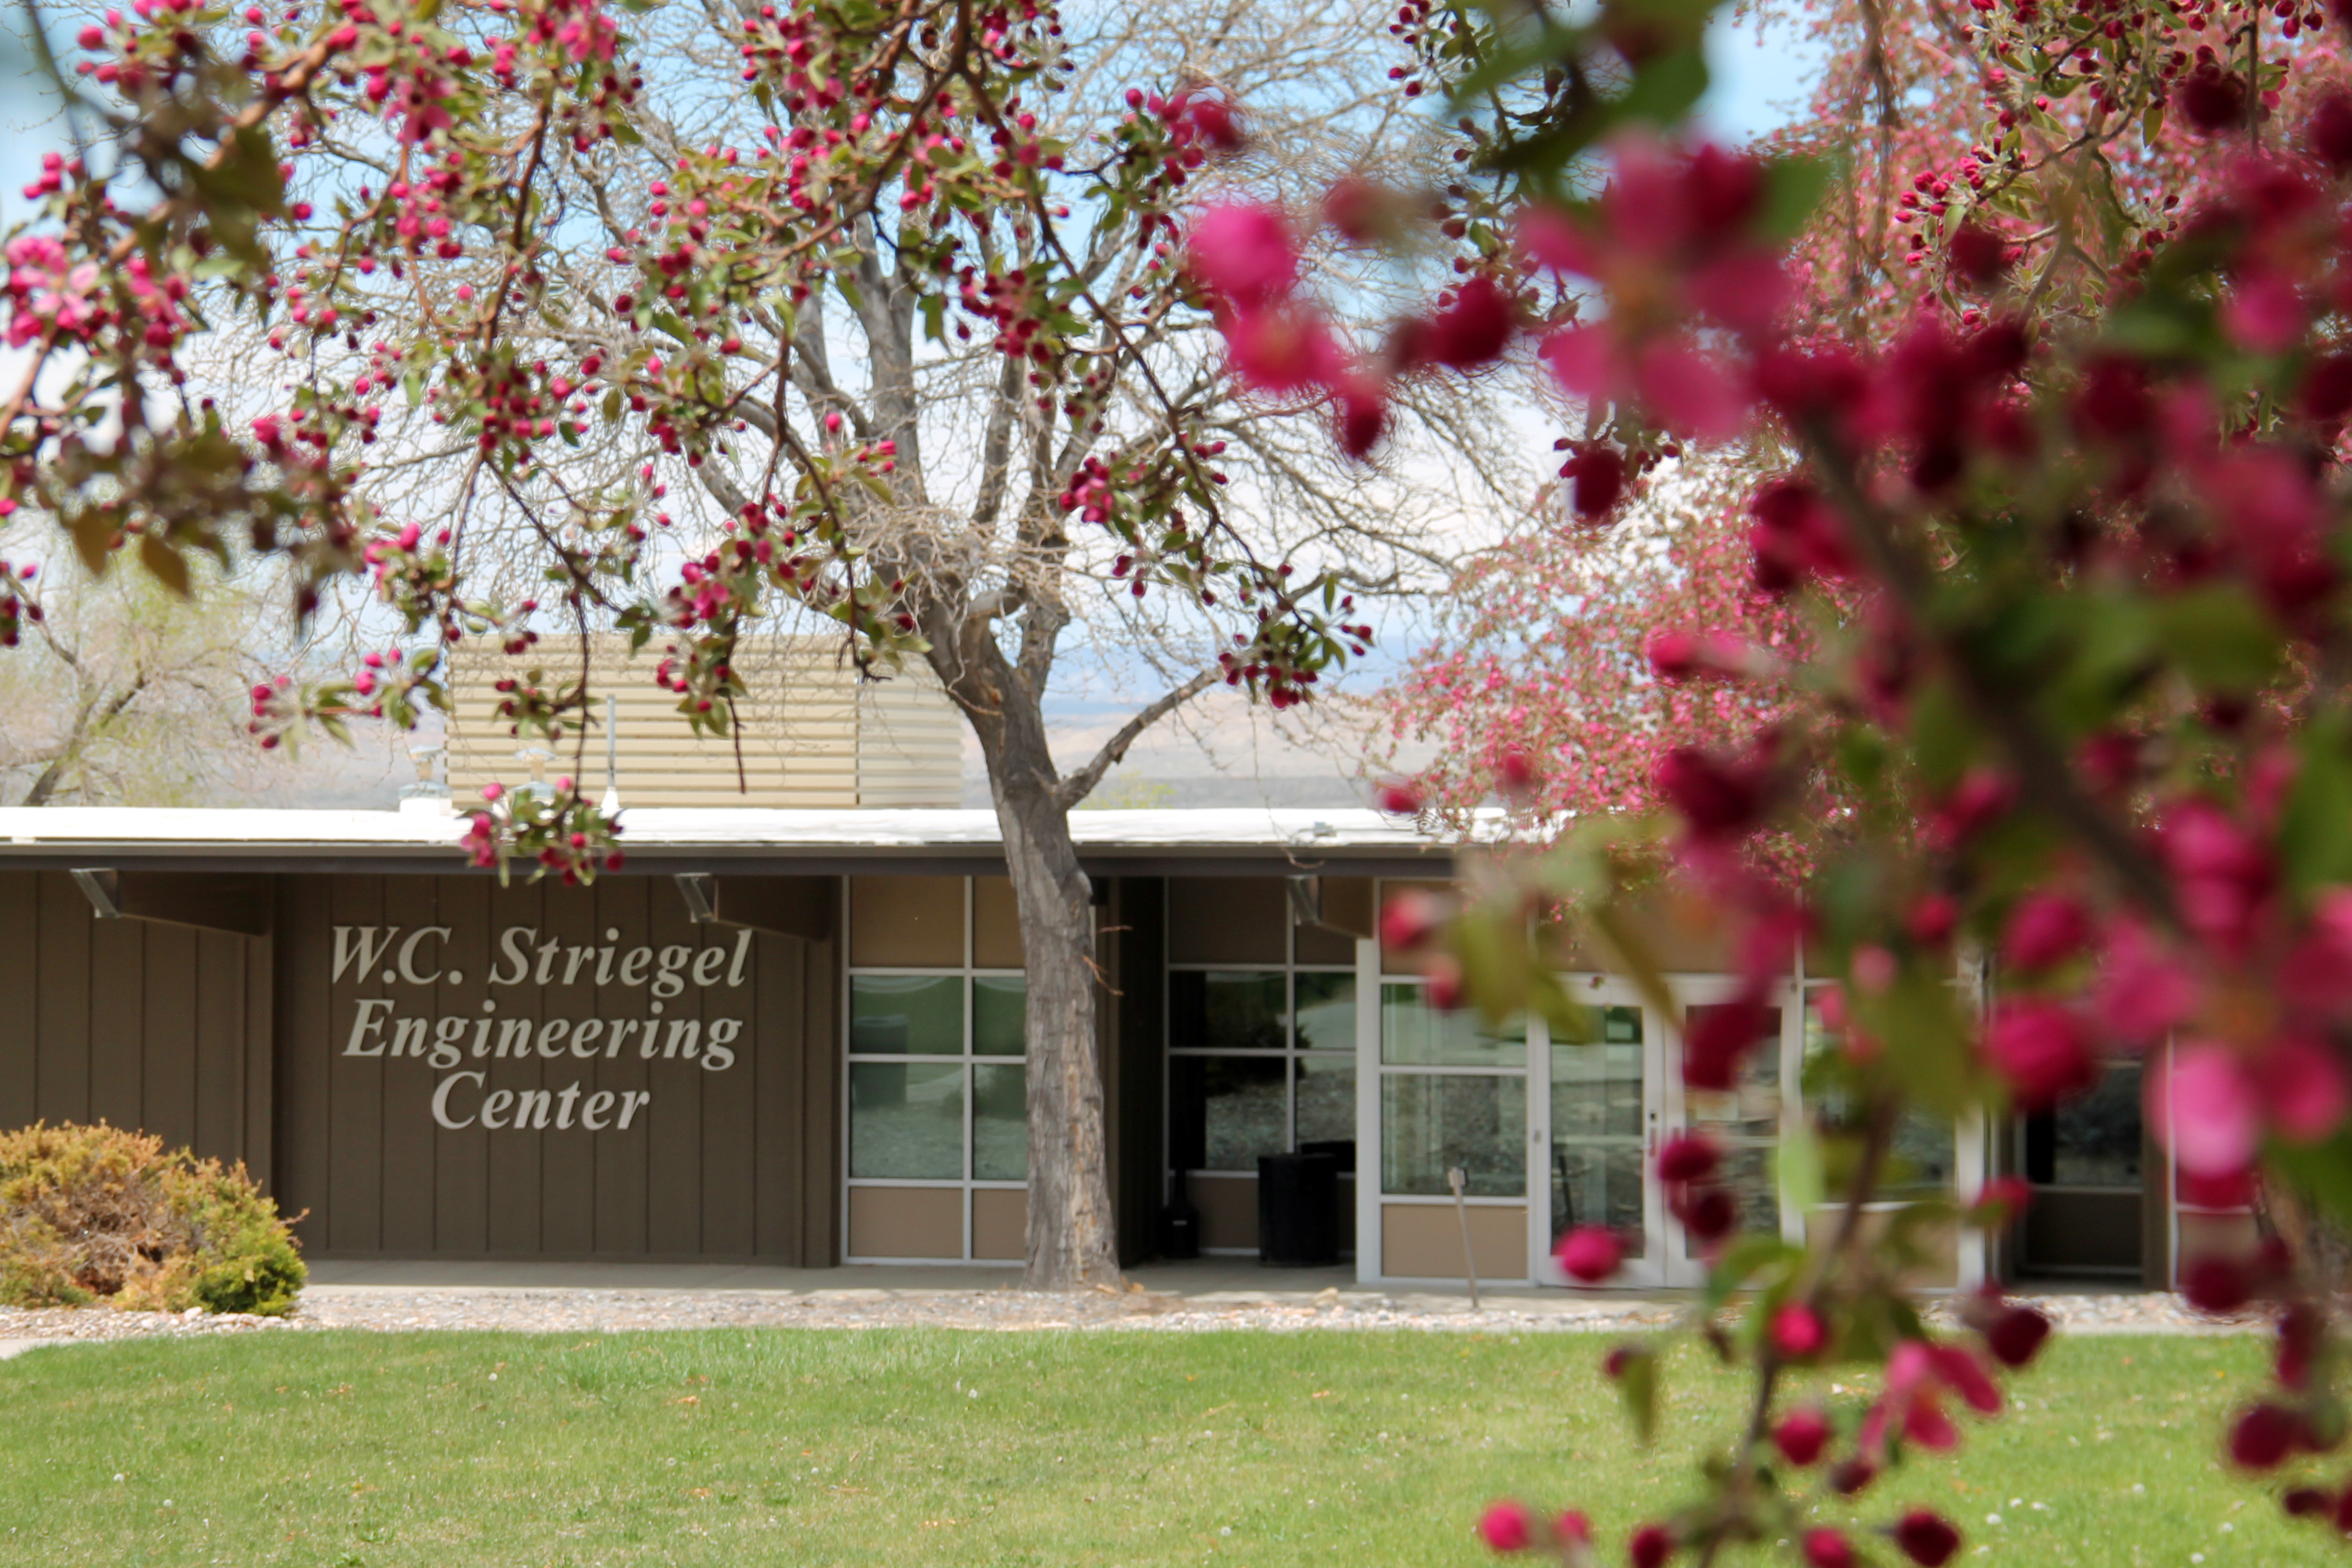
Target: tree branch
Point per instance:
(1079, 785)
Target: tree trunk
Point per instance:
(1071, 1238)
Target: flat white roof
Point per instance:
(56, 834)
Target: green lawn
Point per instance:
(901, 1446)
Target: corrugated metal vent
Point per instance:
(811, 736)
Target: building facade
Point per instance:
(795, 1037)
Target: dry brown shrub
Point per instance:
(104, 1214)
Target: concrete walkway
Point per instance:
(1208, 1282)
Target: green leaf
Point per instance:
(2220, 637)
(1792, 189)
(1797, 1165)
(2315, 828)
(1637, 1386)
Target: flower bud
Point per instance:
(1802, 1435)
(1504, 1527)
(1927, 1538)
(1589, 1253)
(1827, 1548)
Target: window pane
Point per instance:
(1327, 1098)
(906, 1015)
(1244, 1011)
(1751, 1107)
(1598, 1184)
(1415, 1034)
(1000, 1011)
(1596, 1129)
(906, 1121)
(1596, 1090)
(999, 1123)
(1327, 1012)
(2098, 1135)
(1430, 1124)
(1749, 1174)
(1921, 1157)
(1226, 1111)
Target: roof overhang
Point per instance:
(1207, 841)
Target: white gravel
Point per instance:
(579, 1311)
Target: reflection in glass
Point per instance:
(1921, 1158)
(906, 1015)
(1414, 1034)
(1226, 1111)
(999, 1123)
(1598, 1184)
(999, 1009)
(1231, 1011)
(1596, 1130)
(1327, 1012)
(1430, 1122)
(1748, 1172)
(906, 1121)
(1750, 1108)
(1327, 1098)
(2096, 1141)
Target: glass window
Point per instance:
(906, 1120)
(906, 1015)
(1923, 1154)
(1414, 1034)
(1596, 1129)
(1326, 1098)
(1598, 1184)
(1000, 1122)
(1750, 1108)
(1327, 1011)
(1748, 1172)
(1229, 1012)
(2094, 1140)
(1226, 1111)
(999, 1014)
(1430, 1122)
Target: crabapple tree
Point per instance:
(490, 321)
(2045, 409)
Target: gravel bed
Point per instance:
(568, 1310)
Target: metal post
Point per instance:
(1457, 1180)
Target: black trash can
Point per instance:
(1298, 1210)
(1340, 1149)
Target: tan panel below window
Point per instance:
(906, 922)
(1423, 1241)
(1000, 1223)
(1937, 1269)
(905, 1222)
(995, 925)
(1227, 919)
(2219, 1235)
(1228, 1206)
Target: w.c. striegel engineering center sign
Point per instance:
(797, 1036)
(677, 978)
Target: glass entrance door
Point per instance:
(1744, 1121)
(1596, 1128)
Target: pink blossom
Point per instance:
(2046, 929)
(2042, 1050)
(1244, 254)
(2304, 1085)
(2205, 1104)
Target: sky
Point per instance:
(1225, 752)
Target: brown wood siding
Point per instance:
(141, 1024)
(736, 1164)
